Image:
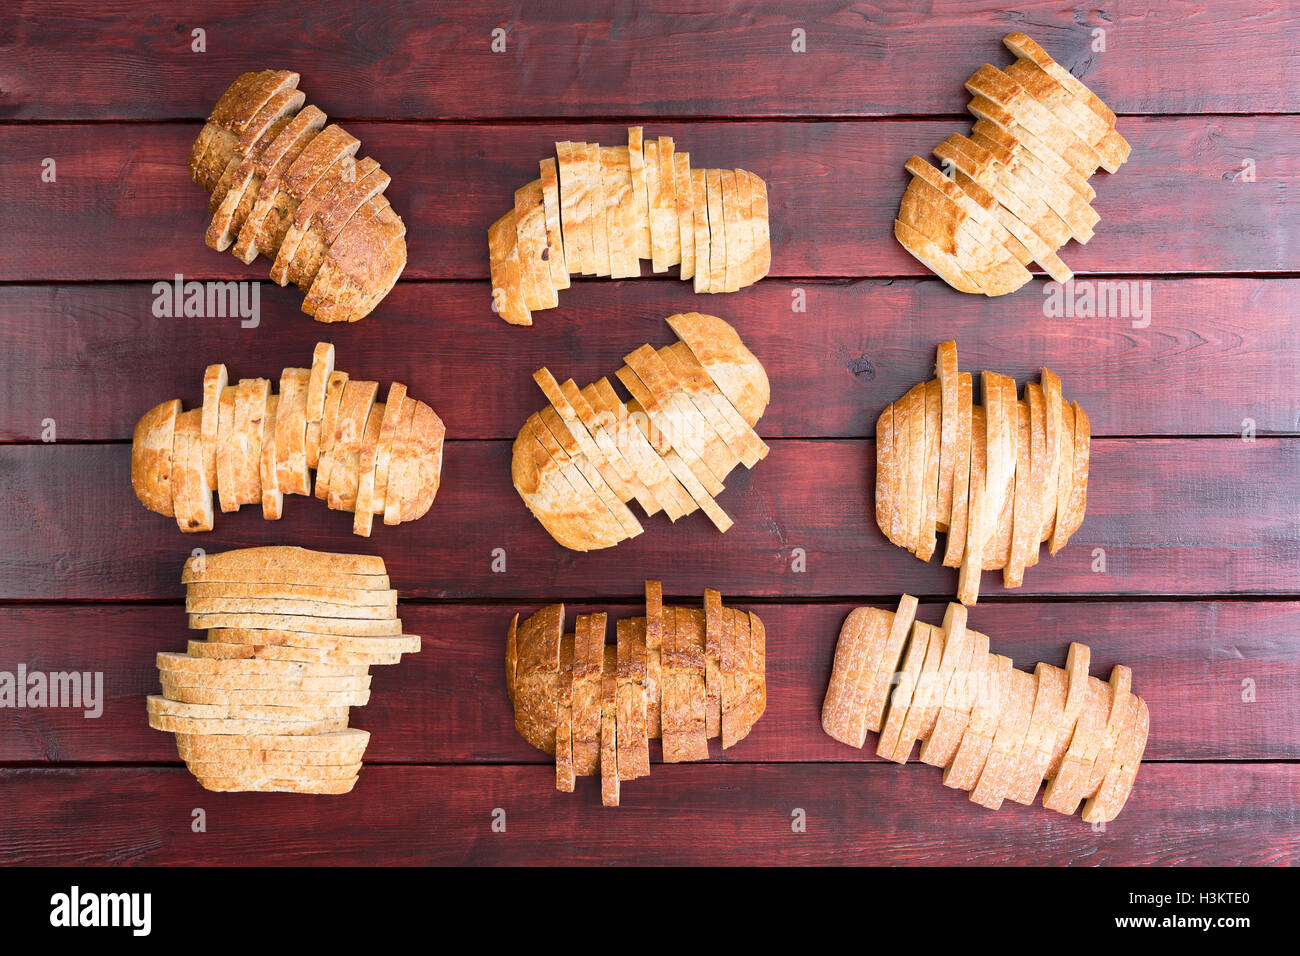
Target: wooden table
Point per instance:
(1200, 527)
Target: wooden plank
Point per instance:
(1192, 517)
(877, 814)
(1196, 664)
(134, 60)
(1203, 334)
(833, 189)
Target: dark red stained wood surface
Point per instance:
(133, 60)
(1216, 352)
(1173, 517)
(1200, 529)
(1174, 207)
(447, 704)
(685, 814)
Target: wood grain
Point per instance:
(133, 60)
(1179, 205)
(1197, 664)
(873, 814)
(1173, 517)
(858, 346)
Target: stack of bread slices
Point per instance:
(1000, 478)
(599, 210)
(253, 446)
(263, 703)
(690, 421)
(997, 731)
(1016, 189)
(285, 184)
(682, 674)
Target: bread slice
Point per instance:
(735, 222)
(361, 644)
(609, 775)
(886, 475)
(575, 205)
(598, 211)
(538, 641)
(959, 514)
(215, 381)
(556, 256)
(345, 469)
(700, 231)
(530, 227)
(163, 707)
(152, 457)
(272, 496)
(320, 624)
(665, 233)
(616, 179)
(633, 747)
(250, 410)
(977, 533)
(1026, 520)
(327, 430)
(191, 497)
(930, 472)
(946, 372)
(692, 642)
(640, 188)
(1065, 479)
(684, 196)
(588, 666)
(507, 271)
(1069, 521)
(717, 232)
(861, 642)
(291, 653)
(564, 775)
(238, 725)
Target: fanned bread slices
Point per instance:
(1000, 479)
(265, 706)
(600, 210)
(1016, 189)
(690, 421)
(253, 446)
(682, 674)
(285, 184)
(996, 731)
